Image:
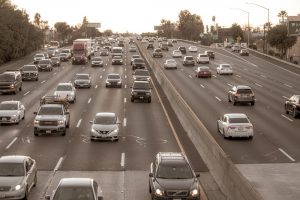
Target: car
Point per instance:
(105, 126)
(45, 65)
(157, 53)
(170, 64)
(18, 175)
(107, 48)
(117, 60)
(82, 80)
(176, 54)
(138, 63)
(144, 41)
(210, 54)
(182, 49)
(241, 94)
(11, 81)
(202, 58)
(104, 52)
(66, 90)
(120, 43)
(133, 57)
(51, 51)
(68, 52)
(141, 75)
(132, 49)
(96, 62)
(170, 44)
(174, 41)
(235, 125)
(292, 106)
(188, 60)
(164, 46)
(172, 177)
(141, 90)
(150, 46)
(113, 80)
(224, 69)
(236, 48)
(203, 72)
(76, 189)
(11, 112)
(37, 57)
(193, 49)
(29, 72)
(55, 61)
(63, 57)
(228, 45)
(116, 51)
(244, 52)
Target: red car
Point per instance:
(203, 72)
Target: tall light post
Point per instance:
(248, 41)
(268, 20)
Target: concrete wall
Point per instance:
(230, 180)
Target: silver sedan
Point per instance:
(11, 112)
(170, 64)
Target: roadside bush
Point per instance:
(271, 53)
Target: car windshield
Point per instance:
(29, 68)
(176, 52)
(63, 54)
(203, 55)
(189, 58)
(135, 56)
(65, 51)
(74, 193)
(12, 169)
(39, 55)
(244, 91)
(141, 85)
(113, 76)
(64, 88)
(82, 76)
(203, 69)
(50, 111)
(138, 60)
(157, 50)
(8, 106)
(44, 62)
(7, 77)
(117, 50)
(226, 66)
(141, 73)
(117, 57)
(238, 120)
(55, 58)
(96, 59)
(171, 61)
(174, 170)
(105, 120)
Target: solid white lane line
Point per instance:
(238, 75)
(287, 118)
(122, 160)
(124, 122)
(11, 143)
(125, 100)
(214, 76)
(96, 86)
(125, 69)
(58, 163)
(202, 86)
(287, 85)
(229, 84)
(285, 97)
(263, 76)
(258, 85)
(125, 86)
(89, 101)
(43, 81)
(190, 76)
(78, 124)
(287, 155)
(104, 70)
(218, 99)
(26, 93)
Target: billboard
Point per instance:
(294, 28)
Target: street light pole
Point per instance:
(268, 21)
(248, 35)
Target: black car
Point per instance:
(182, 49)
(292, 106)
(141, 90)
(29, 72)
(45, 65)
(150, 46)
(138, 63)
(210, 54)
(172, 177)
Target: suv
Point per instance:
(141, 90)
(53, 116)
(210, 54)
(150, 46)
(141, 75)
(29, 72)
(10, 81)
(45, 65)
(241, 94)
(182, 49)
(188, 60)
(157, 53)
(293, 106)
(164, 46)
(172, 177)
(138, 63)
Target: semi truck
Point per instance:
(82, 51)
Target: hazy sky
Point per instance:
(141, 15)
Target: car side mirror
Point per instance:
(47, 197)
(151, 174)
(35, 113)
(91, 122)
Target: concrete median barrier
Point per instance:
(230, 180)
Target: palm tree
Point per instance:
(283, 14)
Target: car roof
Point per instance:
(188, 57)
(236, 115)
(78, 74)
(203, 67)
(113, 74)
(52, 105)
(64, 84)
(105, 114)
(73, 182)
(242, 87)
(10, 102)
(12, 159)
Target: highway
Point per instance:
(145, 130)
(276, 138)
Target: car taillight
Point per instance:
(237, 95)
(248, 127)
(231, 127)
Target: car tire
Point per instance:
(149, 100)
(35, 133)
(252, 103)
(234, 103)
(250, 137)
(229, 99)
(132, 100)
(35, 180)
(23, 116)
(26, 194)
(63, 133)
(294, 113)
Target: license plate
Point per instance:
(240, 129)
(4, 119)
(48, 131)
(141, 97)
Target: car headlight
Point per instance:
(115, 131)
(148, 93)
(36, 122)
(61, 122)
(134, 93)
(14, 116)
(119, 82)
(18, 187)
(12, 86)
(93, 130)
(194, 192)
(159, 192)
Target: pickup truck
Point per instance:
(53, 116)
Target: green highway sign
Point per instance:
(294, 27)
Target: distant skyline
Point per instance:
(141, 16)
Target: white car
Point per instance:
(170, 64)
(132, 49)
(193, 49)
(235, 125)
(68, 52)
(224, 69)
(105, 126)
(177, 54)
(66, 90)
(202, 58)
(37, 57)
(11, 112)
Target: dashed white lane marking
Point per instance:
(263, 76)
(122, 160)
(287, 85)
(89, 101)
(202, 86)
(229, 84)
(287, 118)
(100, 76)
(125, 100)
(287, 155)
(78, 124)
(43, 82)
(58, 163)
(214, 76)
(218, 99)
(238, 75)
(125, 86)
(125, 76)
(258, 85)
(54, 73)
(125, 69)
(190, 76)
(96, 86)
(125, 122)
(285, 97)
(103, 70)
(26, 93)
(11, 143)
